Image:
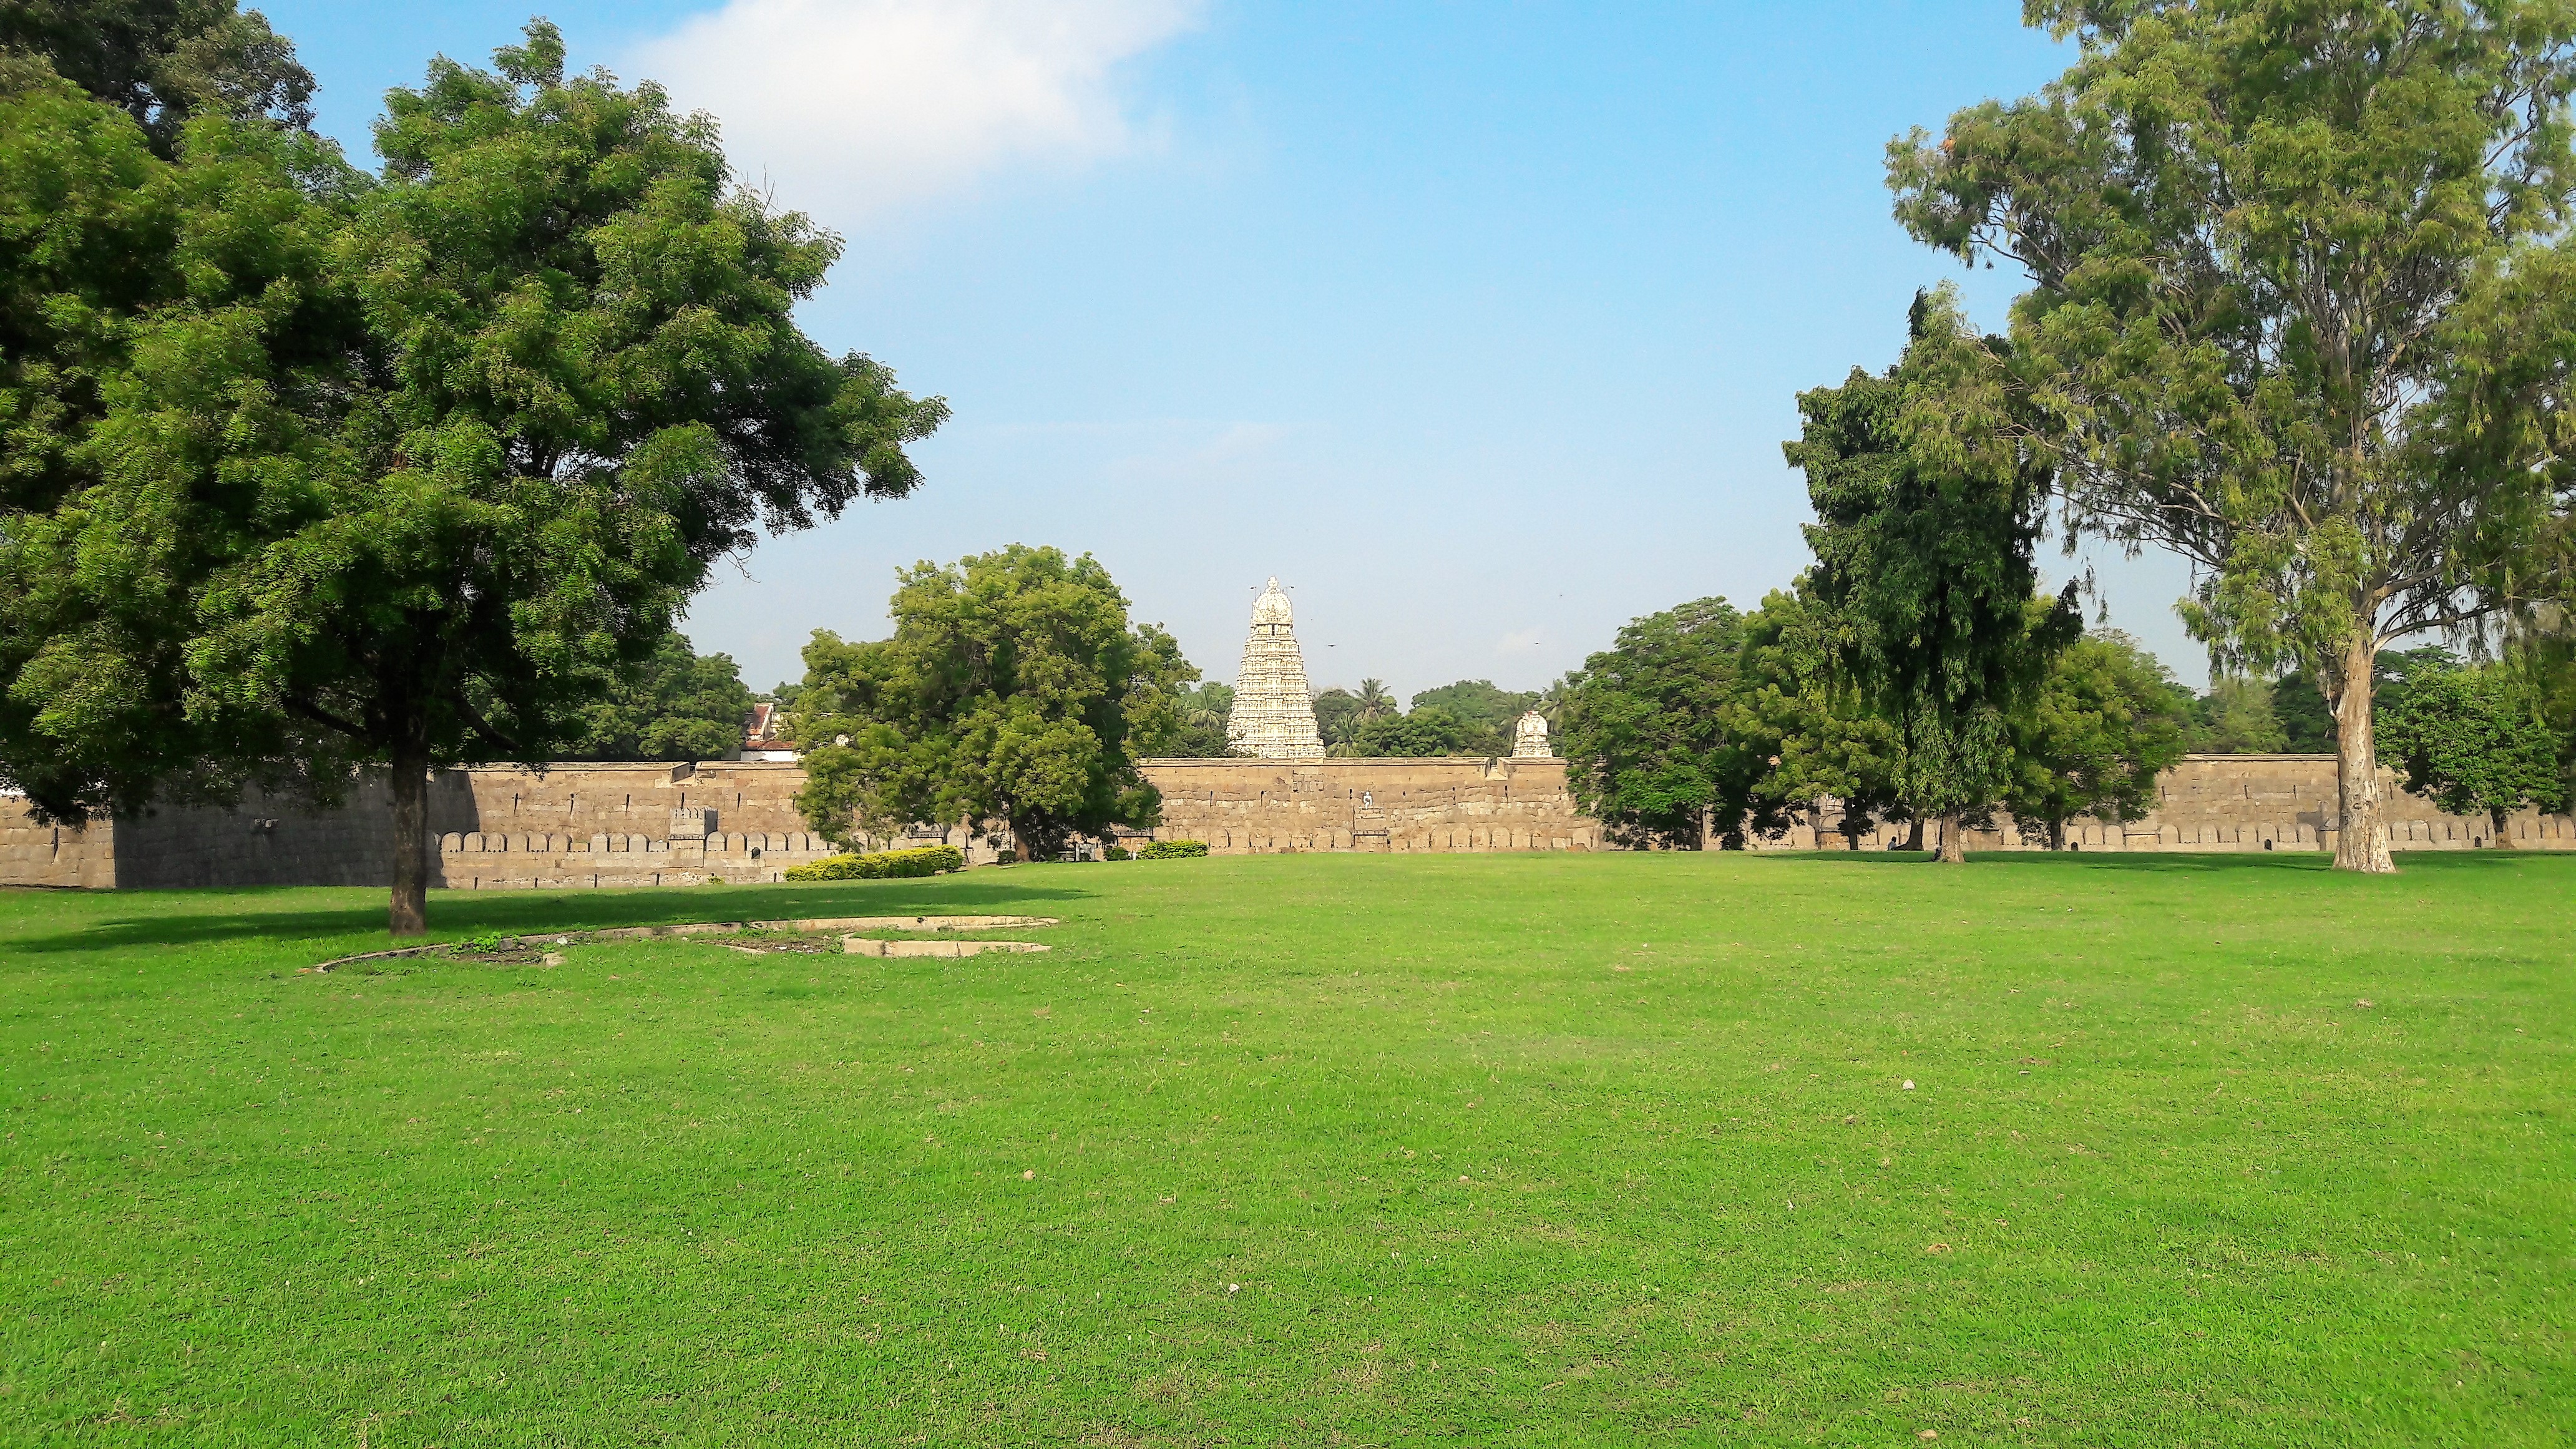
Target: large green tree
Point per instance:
(676, 705)
(1198, 724)
(163, 61)
(1928, 503)
(1014, 689)
(120, 270)
(2238, 717)
(1424, 732)
(2105, 722)
(1337, 712)
(1642, 727)
(1340, 715)
(1487, 710)
(2472, 738)
(2304, 309)
(418, 462)
(1803, 734)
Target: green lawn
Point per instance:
(1508, 1150)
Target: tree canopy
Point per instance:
(2238, 717)
(163, 61)
(1424, 732)
(1644, 727)
(1800, 732)
(676, 705)
(2303, 310)
(2473, 739)
(1014, 689)
(1198, 724)
(1927, 509)
(2105, 722)
(1488, 711)
(410, 466)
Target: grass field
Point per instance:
(1510, 1150)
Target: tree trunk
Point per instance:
(2057, 835)
(1914, 833)
(409, 780)
(2362, 843)
(1954, 845)
(2495, 832)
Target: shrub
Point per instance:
(1117, 852)
(1172, 850)
(884, 865)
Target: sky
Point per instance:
(1478, 325)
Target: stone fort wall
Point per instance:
(2235, 803)
(495, 828)
(1247, 806)
(649, 824)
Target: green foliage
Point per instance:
(2547, 661)
(162, 61)
(143, 306)
(89, 221)
(1198, 732)
(1927, 508)
(1341, 714)
(908, 864)
(1114, 851)
(1173, 850)
(1488, 713)
(1426, 733)
(2238, 717)
(2304, 310)
(676, 705)
(416, 465)
(2105, 723)
(1014, 689)
(2307, 721)
(2473, 739)
(1643, 727)
(1799, 734)
(411, 467)
(1336, 716)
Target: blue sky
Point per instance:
(1479, 325)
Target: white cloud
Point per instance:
(1519, 641)
(849, 108)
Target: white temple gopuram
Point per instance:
(1274, 714)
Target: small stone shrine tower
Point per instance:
(1529, 737)
(1274, 715)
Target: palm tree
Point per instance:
(1375, 702)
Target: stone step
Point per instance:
(862, 946)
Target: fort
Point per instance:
(511, 828)
(507, 828)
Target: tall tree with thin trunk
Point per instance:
(481, 430)
(2304, 310)
(1928, 504)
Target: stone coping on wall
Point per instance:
(576, 766)
(2292, 759)
(1341, 761)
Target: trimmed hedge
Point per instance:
(1173, 850)
(884, 865)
